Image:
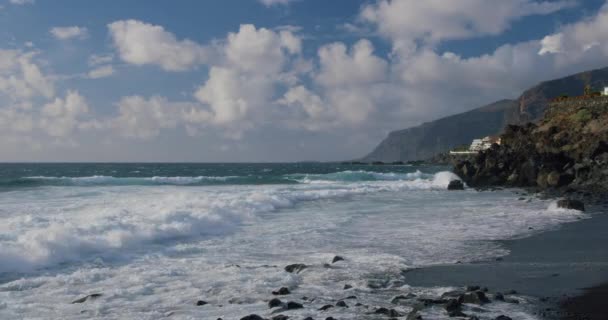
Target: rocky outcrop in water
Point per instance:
(566, 151)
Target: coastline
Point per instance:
(564, 270)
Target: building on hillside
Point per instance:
(605, 93)
(479, 145)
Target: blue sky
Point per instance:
(268, 80)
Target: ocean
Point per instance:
(153, 239)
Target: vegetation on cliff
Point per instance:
(566, 150)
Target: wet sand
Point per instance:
(556, 267)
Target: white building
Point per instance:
(479, 145)
(605, 93)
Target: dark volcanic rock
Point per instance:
(201, 303)
(291, 305)
(88, 297)
(252, 317)
(281, 292)
(347, 286)
(476, 297)
(274, 303)
(453, 305)
(341, 304)
(326, 307)
(388, 312)
(502, 317)
(398, 299)
(295, 268)
(336, 259)
(455, 185)
(280, 317)
(571, 204)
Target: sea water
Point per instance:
(153, 239)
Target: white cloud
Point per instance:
(20, 77)
(141, 43)
(72, 32)
(61, 116)
(101, 72)
(143, 118)
(270, 3)
(21, 2)
(409, 22)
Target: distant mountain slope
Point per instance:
(425, 141)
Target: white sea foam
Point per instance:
(153, 252)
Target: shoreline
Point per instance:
(565, 270)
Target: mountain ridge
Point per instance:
(438, 136)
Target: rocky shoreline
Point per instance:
(565, 154)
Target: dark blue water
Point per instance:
(14, 175)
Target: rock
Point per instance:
(476, 297)
(295, 268)
(347, 286)
(330, 318)
(456, 185)
(502, 317)
(92, 296)
(252, 317)
(472, 288)
(281, 292)
(414, 316)
(341, 304)
(557, 180)
(398, 299)
(571, 204)
(473, 318)
(336, 259)
(456, 313)
(350, 298)
(388, 312)
(280, 317)
(201, 303)
(499, 296)
(274, 303)
(326, 307)
(428, 301)
(309, 318)
(452, 305)
(291, 305)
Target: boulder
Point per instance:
(252, 317)
(452, 305)
(399, 299)
(336, 259)
(502, 317)
(295, 268)
(326, 307)
(557, 180)
(456, 185)
(347, 286)
(201, 303)
(414, 316)
(476, 297)
(388, 312)
(280, 317)
(87, 298)
(291, 305)
(274, 303)
(341, 304)
(281, 292)
(571, 204)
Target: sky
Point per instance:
(268, 80)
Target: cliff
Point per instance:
(425, 141)
(567, 150)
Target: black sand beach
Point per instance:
(566, 269)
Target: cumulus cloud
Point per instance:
(410, 22)
(20, 77)
(66, 33)
(60, 117)
(142, 43)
